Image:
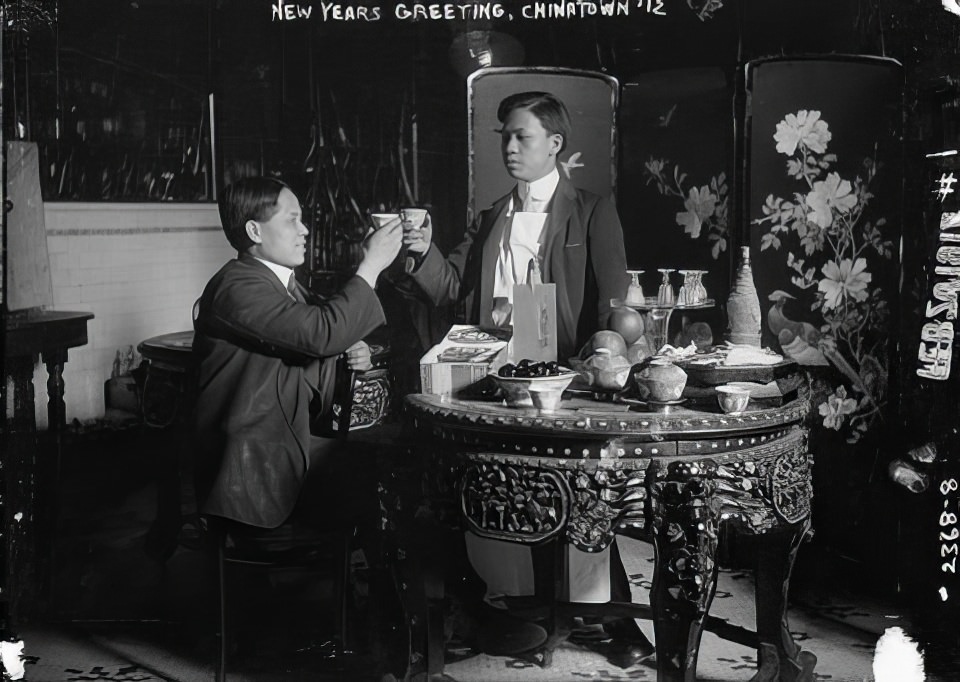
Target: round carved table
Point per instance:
(594, 469)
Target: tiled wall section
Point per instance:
(138, 268)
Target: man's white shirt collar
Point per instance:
(541, 190)
(282, 272)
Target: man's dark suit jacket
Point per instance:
(582, 253)
(256, 348)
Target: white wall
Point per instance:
(138, 267)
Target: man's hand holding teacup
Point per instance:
(380, 248)
(418, 240)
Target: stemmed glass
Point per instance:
(635, 291)
(687, 294)
(701, 289)
(665, 295)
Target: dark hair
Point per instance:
(548, 109)
(253, 198)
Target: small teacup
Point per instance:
(546, 399)
(413, 217)
(733, 399)
(381, 219)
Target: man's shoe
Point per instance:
(628, 645)
(626, 630)
(626, 655)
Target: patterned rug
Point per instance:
(842, 635)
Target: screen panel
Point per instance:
(590, 157)
(676, 177)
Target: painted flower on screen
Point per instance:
(832, 194)
(654, 168)
(836, 408)
(847, 279)
(803, 128)
(700, 204)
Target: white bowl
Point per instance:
(733, 399)
(519, 391)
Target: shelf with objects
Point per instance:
(659, 309)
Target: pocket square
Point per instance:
(570, 246)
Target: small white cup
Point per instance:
(381, 219)
(546, 399)
(413, 217)
(733, 399)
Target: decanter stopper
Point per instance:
(743, 305)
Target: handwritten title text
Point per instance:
(281, 10)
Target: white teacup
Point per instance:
(413, 217)
(381, 219)
(733, 399)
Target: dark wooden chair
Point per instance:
(293, 545)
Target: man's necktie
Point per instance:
(294, 290)
(528, 203)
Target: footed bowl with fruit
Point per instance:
(533, 384)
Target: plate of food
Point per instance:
(724, 364)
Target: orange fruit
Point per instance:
(627, 322)
(608, 339)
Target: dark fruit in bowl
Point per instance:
(528, 369)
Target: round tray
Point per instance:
(716, 375)
(650, 303)
(663, 406)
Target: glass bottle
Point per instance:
(743, 305)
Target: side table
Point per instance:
(31, 477)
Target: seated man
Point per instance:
(266, 351)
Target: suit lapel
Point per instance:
(561, 207)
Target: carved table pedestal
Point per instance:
(589, 471)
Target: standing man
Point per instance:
(575, 234)
(266, 351)
(576, 237)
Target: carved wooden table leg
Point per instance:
(56, 407)
(49, 470)
(20, 470)
(776, 552)
(685, 576)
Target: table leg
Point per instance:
(56, 407)
(20, 471)
(776, 553)
(48, 471)
(685, 574)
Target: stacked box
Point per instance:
(465, 356)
